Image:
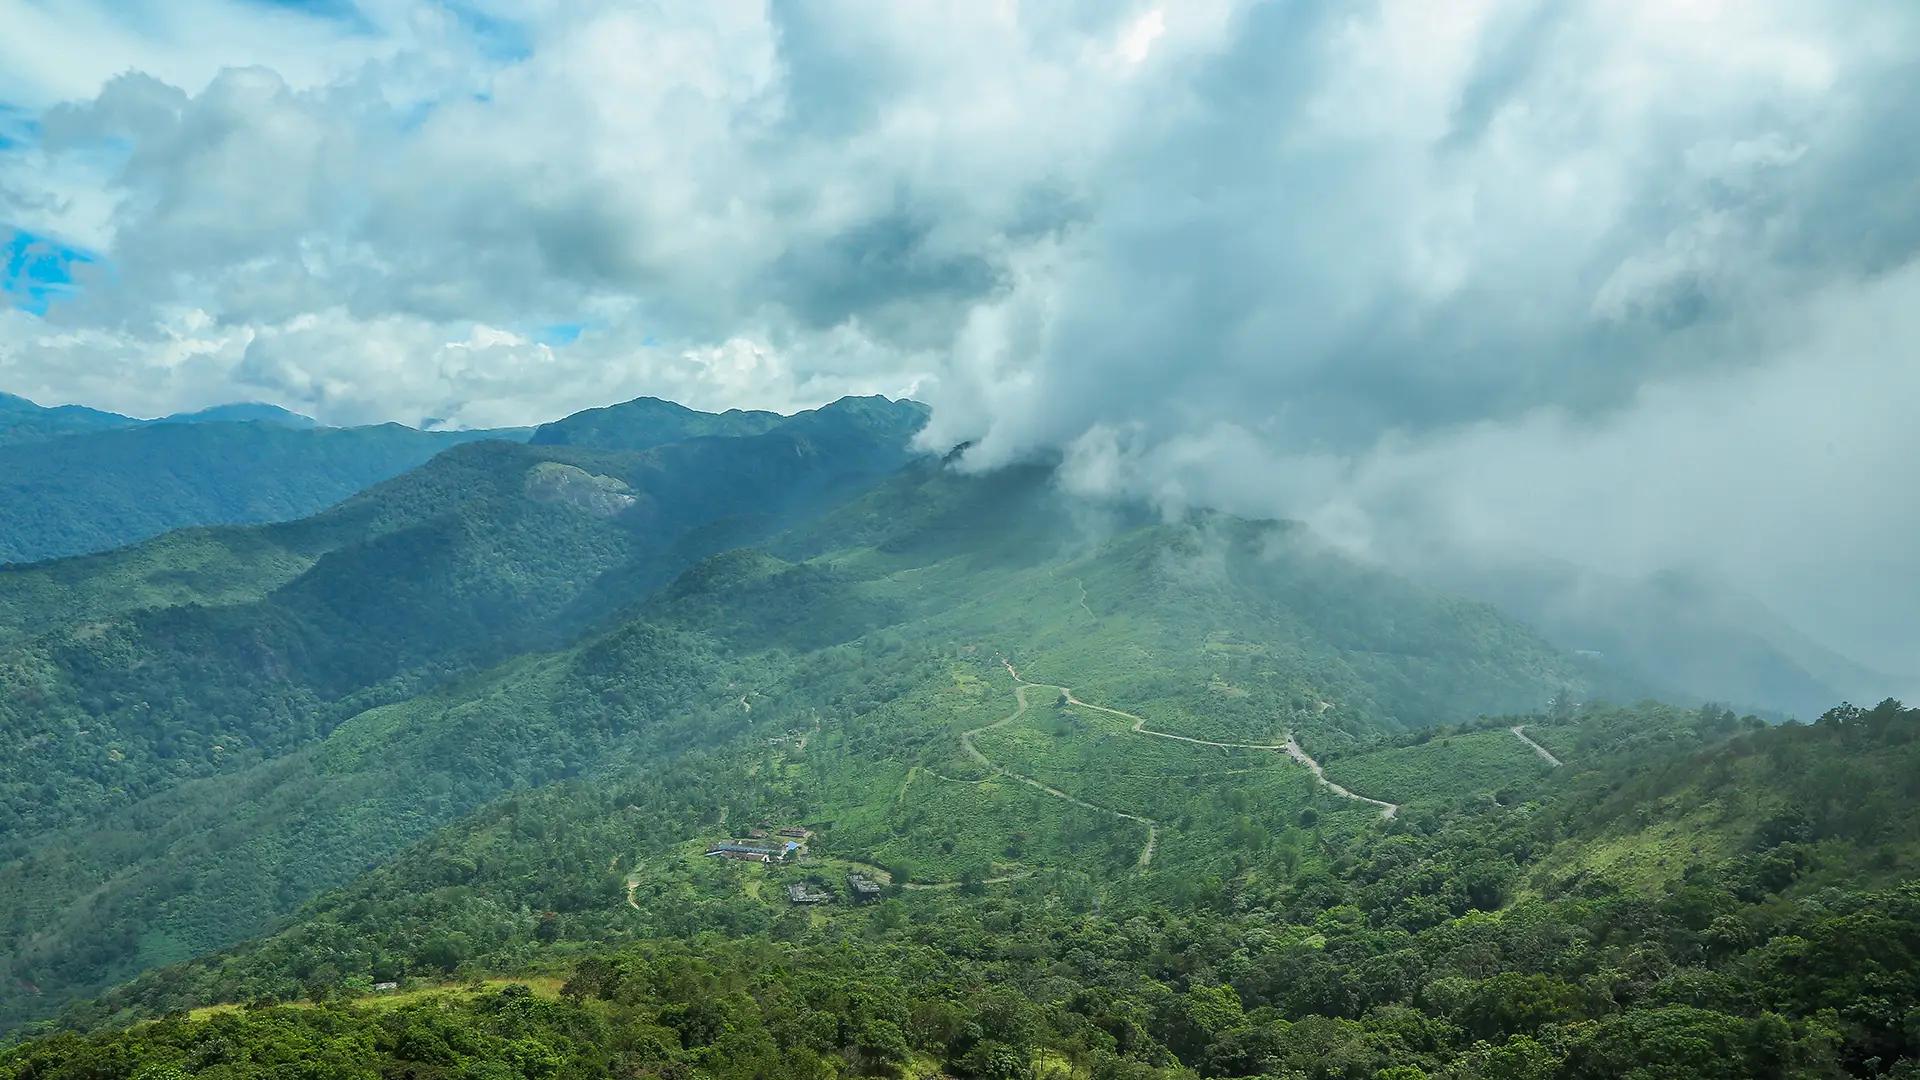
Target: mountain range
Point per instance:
(466, 774)
(23, 421)
(76, 480)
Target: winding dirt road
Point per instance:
(1138, 727)
(1519, 732)
(1291, 748)
(1387, 810)
(1020, 689)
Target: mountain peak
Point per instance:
(23, 420)
(647, 422)
(242, 412)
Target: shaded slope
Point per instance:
(647, 422)
(90, 492)
(468, 560)
(1206, 628)
(22, 421)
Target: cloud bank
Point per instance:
(1626, 286)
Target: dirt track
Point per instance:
(1519, 732)
(1291, 748)
(1020, 689)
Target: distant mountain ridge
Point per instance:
(112, 480)
(243, 412)
(646, 422)
(23, 420)
(96, 489)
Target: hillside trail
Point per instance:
(1546, 755)
(1020, 690)
(1080, 585)
(1388, 811)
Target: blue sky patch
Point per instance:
(16, 127)
(35, 270)
(342, 11)
(562, 333)
(500, 40)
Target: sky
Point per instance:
(1628, 286)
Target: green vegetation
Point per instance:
(123, 484)
(1417, 946)
(22, 421)
(479, 726)
(134, 736)
(430, 577)
(1444, 766)
(644, 423)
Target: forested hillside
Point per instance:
(304, 721)
(23, 421)
(488, 551)
(644, 423)
(1139, 797)
(126, 483)
(1443, 943)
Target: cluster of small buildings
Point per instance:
(743, 852)
(864, 890)
(765, 844)
(784, 846)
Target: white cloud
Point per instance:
(53, 52)
(1393, 267)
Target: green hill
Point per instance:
(114, 487)
(22, 421)
(1309, 941)
(647, 422)
(1143, 797)
(1210, 629)
(486, 552)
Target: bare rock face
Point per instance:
(568, 485)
